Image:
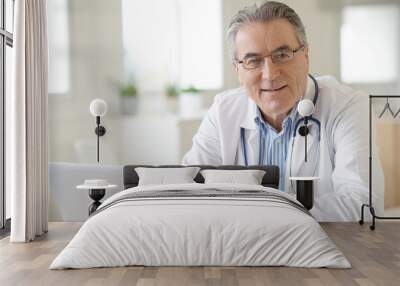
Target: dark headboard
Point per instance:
(270, 179)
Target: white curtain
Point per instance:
(26, 120)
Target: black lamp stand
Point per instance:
(305, 193)
(100, 131)
(96, 195)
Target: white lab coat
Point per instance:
(342, 158)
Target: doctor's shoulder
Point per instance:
(231, 96)
(231, 102)
(337, 97)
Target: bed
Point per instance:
(201, 224)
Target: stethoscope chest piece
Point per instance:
(304, 130)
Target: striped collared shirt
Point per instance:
(274, 145)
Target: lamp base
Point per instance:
(305, 193)
(96, 195)
(305, 190)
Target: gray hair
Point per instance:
(268, 11)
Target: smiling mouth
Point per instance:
(277, 89)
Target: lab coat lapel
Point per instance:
(252, 146)
(251, 135)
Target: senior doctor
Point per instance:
(255, 124)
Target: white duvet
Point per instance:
(200, 231)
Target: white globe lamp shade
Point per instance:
(98, 107)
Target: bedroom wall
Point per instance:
(157, 136)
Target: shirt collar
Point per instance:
(258, 119)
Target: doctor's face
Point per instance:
(276, 85)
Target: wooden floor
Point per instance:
(374, 255)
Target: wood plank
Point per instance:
(374, 255)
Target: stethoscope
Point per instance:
(305, 108)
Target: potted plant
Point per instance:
(129, 98)
(172, 92)
(190, 101)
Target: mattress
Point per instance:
(201, 225)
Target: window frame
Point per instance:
(6, 39)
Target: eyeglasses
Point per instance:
(277, 57)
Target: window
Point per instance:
(173, 41)
(6, 43)
(201, 43)
(9, 13)
(370, 42)
(59, 59)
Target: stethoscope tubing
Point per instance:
(262, 143)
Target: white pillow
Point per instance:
(248, 177)
(163, 176)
